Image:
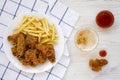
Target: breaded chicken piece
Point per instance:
(21, 45)
(50, 53)
(31, 41)
(13, 38)
(14, 50)
(32, 57)
(97, 64)
(40, 48)
(40, 57)
(47, 50)
(25, 61)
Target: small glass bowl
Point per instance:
(87, 47)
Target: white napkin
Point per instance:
(63, 15)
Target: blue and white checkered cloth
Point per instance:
(64, 16)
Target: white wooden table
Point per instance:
(109, 39)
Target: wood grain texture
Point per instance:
(109, 39)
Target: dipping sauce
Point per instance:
(86, 39)
(105, 19)
(102, 53)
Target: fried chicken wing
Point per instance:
(13, 38)
(48, 51)
(20, 45)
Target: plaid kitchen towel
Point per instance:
(64, 16)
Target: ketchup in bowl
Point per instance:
(102, 53)
(105, 19)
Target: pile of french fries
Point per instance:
(40, 28)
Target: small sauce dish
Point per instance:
(86, 39)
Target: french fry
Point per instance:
(39, 38)
(53, 33)
(40, 28)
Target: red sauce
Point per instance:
(102, 53)
(105, 19)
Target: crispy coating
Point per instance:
(14, 50)
(13, 38)
(48, 51)
(29, 52)
(32, 57)
(31, 41)
(97, 64)
(21, 45)
(25, 61)
(41, 58)
(40, 48)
